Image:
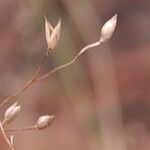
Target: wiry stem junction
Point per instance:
(35, 77)
(29, 83)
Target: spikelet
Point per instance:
(52, 34)
(48, 29)
(108, 29)
(44, 121)
(11, 113)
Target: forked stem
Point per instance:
(35, 77)
(5, 137)
(29, 83)
(70, 62)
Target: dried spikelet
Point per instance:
(11, 113)
(44, 121)
(108, 29)
(12, 139)
(48, 29)
(54, 38)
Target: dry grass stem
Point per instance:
(5, 137)
(52, 38)
(21, 129)
(29, 83)
(35, 77)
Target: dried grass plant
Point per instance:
(52, 38)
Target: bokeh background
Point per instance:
(102, 102)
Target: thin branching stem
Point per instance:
(5, 137)
(29, 83)
(36, 79)
(41, 65)
(22, 129)
(70, 62)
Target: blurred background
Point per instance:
(102, 102)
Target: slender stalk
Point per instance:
(5, 137)
(29, 83)
(41, 65)
(36, 79)
(70, 62)
(21, 129)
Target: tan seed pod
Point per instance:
(44, 121)
(11, 113)
(54, 38)
(108, 29)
